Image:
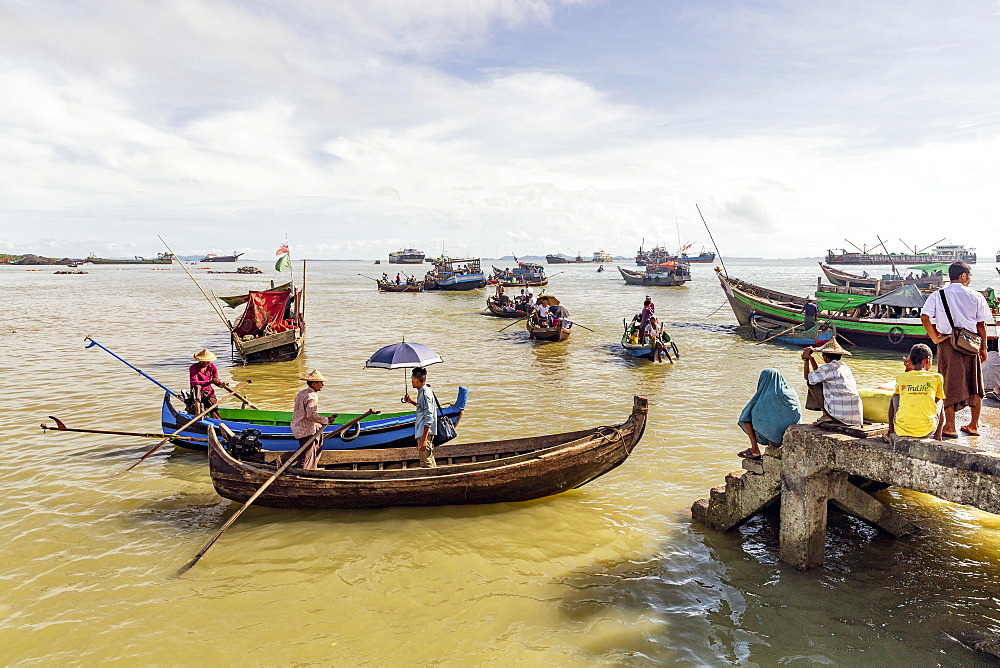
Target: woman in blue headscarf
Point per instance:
(772, 410)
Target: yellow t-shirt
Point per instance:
(918, 391)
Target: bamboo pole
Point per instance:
(185, 426)
(320, 435)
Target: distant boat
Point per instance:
(668, 274)
(703, 257)
(455, 274)
(212, 257)
(603, 256)
(887, 283)
(556, 259)
(526, 274)
(942, 253)
(161, 258)
(406, 256)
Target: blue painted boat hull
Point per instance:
(393, 432)
(462, 282)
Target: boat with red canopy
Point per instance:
(272, 326)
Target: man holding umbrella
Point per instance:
(425, 427)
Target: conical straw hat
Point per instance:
(832, 347)
(314, 376)
(205, 355)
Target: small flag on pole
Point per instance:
(283, 263)
(282, 250)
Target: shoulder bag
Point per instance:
(445, 427)
(962, 340)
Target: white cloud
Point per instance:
(341, 122)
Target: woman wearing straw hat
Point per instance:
(306, 420)
(204, 375)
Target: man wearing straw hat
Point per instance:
(306, 420)
(203, 376)
(832, 388)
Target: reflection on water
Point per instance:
(613, 572)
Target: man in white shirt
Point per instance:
(963, 373)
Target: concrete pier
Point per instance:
(812, 469)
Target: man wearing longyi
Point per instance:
(425, 426)
(203, 376)
(957, 310)
(306, 420)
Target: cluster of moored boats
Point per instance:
(861, 310)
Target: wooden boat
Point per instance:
(500, 312)
(766, 329)
(504, 471)
(272, 326)
(748, 300)
(668, 274)
(542, 332)
(526, 274)
(455, 274)
(384, 286)
(377, 431)
(887, 283)
(645, 350)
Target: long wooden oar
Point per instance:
(61, 426)
(511, 324)
(281, 469)
(223, 384)
(185, 426)
(795, 326)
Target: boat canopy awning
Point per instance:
(907, 296)
(240, 300)
(838, 302)
(932, 267)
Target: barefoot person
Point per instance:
(832, 388)
(963, 373)
(916, 408)
(204, 375)
(425, 428)
(772, 410)
(306, 420)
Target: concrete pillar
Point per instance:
(805, 491)
(803, 520)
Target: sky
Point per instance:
(490, 127)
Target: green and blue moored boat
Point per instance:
(385, 430)
(749, 301)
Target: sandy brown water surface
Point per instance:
(614, 572)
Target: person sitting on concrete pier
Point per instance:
(772, 410)
(832, 388)
(916, 409)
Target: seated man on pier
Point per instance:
(832, 388)
(916, 409)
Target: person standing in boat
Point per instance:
(306, 420)
(809, 312)
(203, 376)
(647, 312)
(963, 373)
(832, 388)
(425, 426)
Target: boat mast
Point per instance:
(214, 303)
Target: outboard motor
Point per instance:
(245, 445)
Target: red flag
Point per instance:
(282, 250)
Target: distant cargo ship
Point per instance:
(406, 256)
(161, 258)
(212, 257)
(947, 253)
(602, 256)
(556, 259)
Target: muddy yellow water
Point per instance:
(612, 573)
